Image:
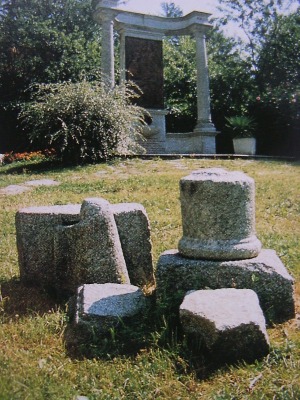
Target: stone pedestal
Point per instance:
(265, 274)
(218, 215)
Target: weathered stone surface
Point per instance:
(35, 227)
(94, 250)
(50, 244)
(42, 182)
(14, 190)
(218, 215)
(103, 306)
(265, 274)
(229, 323)
(134, 231)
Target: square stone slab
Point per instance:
(228, 323)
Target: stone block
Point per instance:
(90, 251)
(218, 215)
(52, 241)
(35, 227)
(227, 323)
(265, 274)
(100, 307)
(134, 231)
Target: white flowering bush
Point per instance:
(85, 121)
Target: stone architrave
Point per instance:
(228, 323)
(94, 250)
(265, 274)
(218, 215)
(100, 307)
(134, 231)
(35, 229)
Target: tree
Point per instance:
(278, 60)
(44, 41)
(231, 81)
(255, 18)
(41, 41)
(171, 10)
(180, 87)
(278, 82)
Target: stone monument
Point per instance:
(141, 60)
(219, 248)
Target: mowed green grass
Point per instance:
(34, 362)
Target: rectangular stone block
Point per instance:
(264, 274)
(134, 231)
(90, 251)
(60, 247)
(35, 228)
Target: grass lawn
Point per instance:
(34, 363)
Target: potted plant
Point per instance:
(242, 129)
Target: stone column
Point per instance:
(122, 55)
(218, 215)
(107, 56)
(204, 123)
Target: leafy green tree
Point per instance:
(278, 82)
(279, 61)
(44, 41)
(255, 18)
(231, 82)
(180, 84)
(41, 41)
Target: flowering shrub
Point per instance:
(39, 155)
(85, 121)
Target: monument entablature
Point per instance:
(141, 60)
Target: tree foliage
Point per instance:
(44, 41)
(180, 84)
(279, 57)
(171, 10)
(255, 18)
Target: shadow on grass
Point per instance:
(42, 166)
(17, 300)
(152, 333)
(34, 167)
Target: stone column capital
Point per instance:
(199, 31)
(107, 15)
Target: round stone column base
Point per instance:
(219, 249)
